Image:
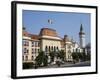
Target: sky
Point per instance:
(65, 23)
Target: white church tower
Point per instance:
(82, 37)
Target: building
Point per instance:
(48, 40)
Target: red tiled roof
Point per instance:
(25, 33)
(34, 36)
(48, 32)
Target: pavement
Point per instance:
(66, 64)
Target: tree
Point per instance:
(52, 55)
(62, 55)
(88, 57)
(75, 56)
(42, 59)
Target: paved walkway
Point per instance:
(80, 64)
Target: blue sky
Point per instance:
(63, 22)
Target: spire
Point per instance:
(81, 28)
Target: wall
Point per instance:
(5, 40)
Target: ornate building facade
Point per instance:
(48, 40)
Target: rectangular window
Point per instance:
(26, 50)
(26, 58)
(33, 43)
(25, 43)
(33, 51)
(38, 44)
(32, 58)
(23, 58)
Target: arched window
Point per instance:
(49, 48)
(52, 48)
(46, 48)
(57, 48)
(35, 50)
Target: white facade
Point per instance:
(82, 40)
(50, 42)
(30, 49)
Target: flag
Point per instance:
(50, 21)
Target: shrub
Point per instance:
(27, 65)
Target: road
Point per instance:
(79, 64)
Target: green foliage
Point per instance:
(81, 56)
(41, 59)
(27, 65)
(52, 55)
(62, 55)
(88, 57)
(75, 56)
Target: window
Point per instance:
(46, 49)
(32, 58)
(57, 48)
(26, 58)
(26, 50)
(25, 43)
(23, 58)
(36, 44)
(52, 48)
(33, 50)
(32, 43)
(49, 48)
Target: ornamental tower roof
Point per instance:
(81, 30)
(48, 32)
